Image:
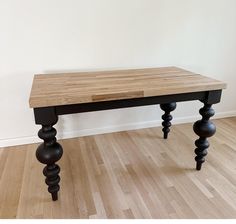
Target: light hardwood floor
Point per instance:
(134, 174)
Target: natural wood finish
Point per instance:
(84, 87)
(134, 174)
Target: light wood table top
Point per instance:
(86, 87)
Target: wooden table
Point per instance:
(57, 94)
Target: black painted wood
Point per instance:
(49, 153)
(204, 128)
(214, 96)
(45, 115)
(167, 117)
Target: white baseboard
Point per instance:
(124, 127)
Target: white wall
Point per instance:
(46, 36)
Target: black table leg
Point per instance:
(204, 128)
(49, 152)
(167, 117)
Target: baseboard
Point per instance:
(109, 129)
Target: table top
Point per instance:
(85, 87)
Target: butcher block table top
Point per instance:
(86, 87)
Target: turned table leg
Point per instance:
(167, 117)
(50, 151)
(204, 128)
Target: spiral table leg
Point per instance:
(48, 153)
(167, 117)
(204, 128)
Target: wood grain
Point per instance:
(134, 174)
(84, 87)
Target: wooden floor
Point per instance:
(133, 174)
